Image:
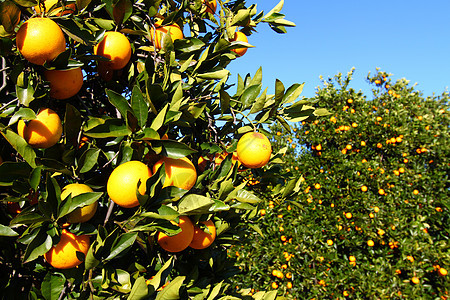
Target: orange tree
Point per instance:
(96, 93)
(372, 219)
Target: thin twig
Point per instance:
(108, 214)
(7, 104)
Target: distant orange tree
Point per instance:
(372, 217)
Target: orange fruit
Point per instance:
(179, 172)
(443, 272)
(211, 6)
(330, 242)
(289, 285)
(123, 181)
(57, 11)
(156, 38)
(42, 132)
(415, 280)
(364, 188)
(81, 214)
(370, 243)
(239, 37)
(202, 239)
(116, 47)
(254, 150)
(40, 40)
(317, 186)
(64, 254)
(274, 285)
(180, 241)
(348, 215)
(64, 83)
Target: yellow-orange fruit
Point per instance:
(156, 36)
(123, 182)
(42, 132)
(239, 37)
(116, 47)
(203, 239)
(181, 240)
(179, 172)
(81, 214)
(64, 254)
(254, 150)
(64, 83)
(40, 40)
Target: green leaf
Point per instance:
(225, 100)
(6, 231)
(20, 145)
(40, 245)
(28, 217)
(173, 149)
(188, 45)
(164, 213)
(52, 285)
(121, 11)
(247, 197)
(119, 102)
(158, 280)
(172, 290)
(139, 290)
(72, 124)
(22, 113)
(139, 106)
(248, 97)
(217, 73)
(76, 31)
(292, 93)
(121, 245)
(70, 204)
(11, 171)
(276, 9)
(88, 160)
(160, 118)
(259, 104)
(193, 204)
(109, 128)
(25, 93)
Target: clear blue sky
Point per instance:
(410, 39)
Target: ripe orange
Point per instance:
(254, 150)
(81, 214)
(179, 172)
(443, 272)
(156, 38)
(348, 215)
(364, 188)
(415, 192)
(370, 243)
(64, 254)
(289, 285)
(42, 132)
(123, 181)
(317, 186)
(415, 280)
(64, 83)
(274, 285)
(330, 242)
(381, 192)
(202, 239)
(69, 8)
(40, 40)
(180, 241)
(239, 37)
(211, 6)
(116, 47)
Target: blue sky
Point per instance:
(409, 39)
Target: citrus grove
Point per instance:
(372, 218)
(127, 156)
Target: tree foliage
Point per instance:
(181, 92)
(372, 217)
